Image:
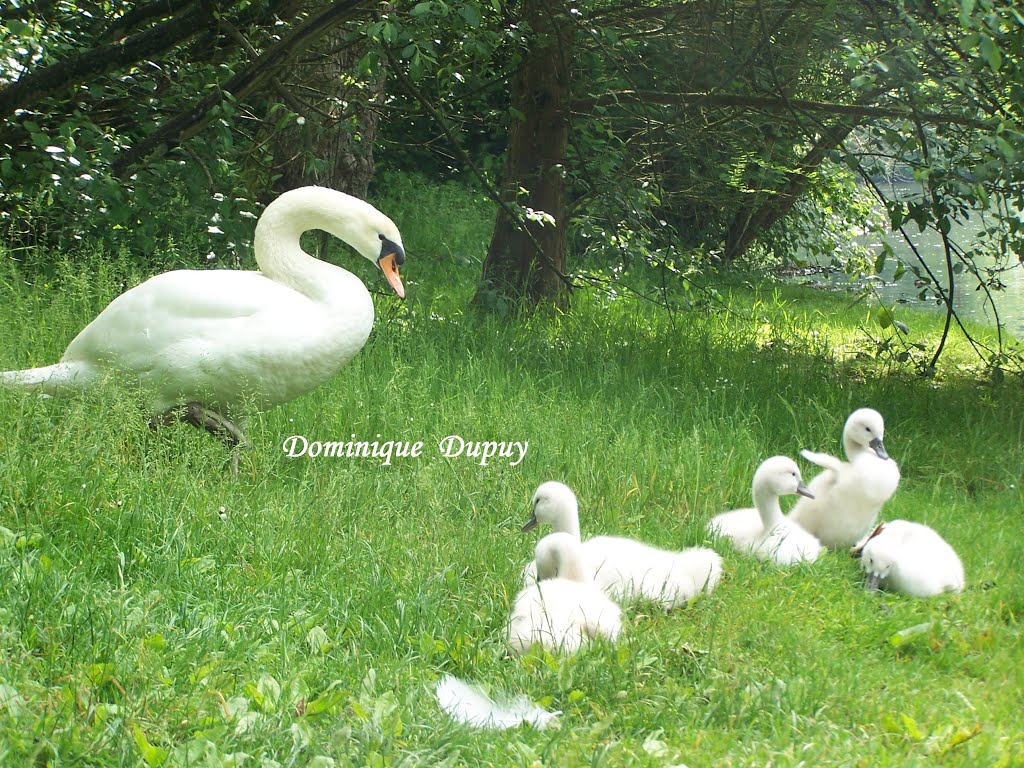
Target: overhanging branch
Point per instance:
(48, 81)
(753, 101)
(190, 122)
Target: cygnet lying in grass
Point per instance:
(564, 608)
(848, 495)
(625, 568)
(764, 531)
(910, 558)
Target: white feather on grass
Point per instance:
(469, 704)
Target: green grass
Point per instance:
(139, 625)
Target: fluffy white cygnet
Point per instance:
(564, 608)
(764, 531)
(848, 495)
(625, 568)
(910, 558)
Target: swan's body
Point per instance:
(848, 495)
(627, 569)
(910, 558)
(223, 337)
(564, 608)
(763, 530)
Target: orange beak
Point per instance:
(389, 266)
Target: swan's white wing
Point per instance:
(823, 460)
(469, 704)
(180, 305)
(743, 527)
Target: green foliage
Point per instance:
(58, 159)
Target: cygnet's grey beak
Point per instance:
(803, 490)
(530, 524)
(877, 447)
(872, 582)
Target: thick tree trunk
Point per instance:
(762, 212)
(333, 146)
(526, 258)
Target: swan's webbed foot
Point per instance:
(198, 415)
(217, 425)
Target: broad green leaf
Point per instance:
(904, 636)
(911, 727)
(966, 9)
(151, 755)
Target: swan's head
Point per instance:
(378, 239)
(877, 557)
(877, 560)
(779, 476)
(392, 255)
(864, 430)
(560, 556)
(554, 504)
(355, 221)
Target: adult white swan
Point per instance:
(627, 569)
(209, 340)
(911, 558)
(764, 531)
(564, 608)
(849, 494)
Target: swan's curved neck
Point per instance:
(767, 503)
(562, 564)
(568, 520)
(572, 568)
(278, 252)
(853, 448)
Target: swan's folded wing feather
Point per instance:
(469, 704)
(177, 306)
(823, 460)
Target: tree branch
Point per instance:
(48, 81)
(753, 101)
(189, 123)
(142, 14)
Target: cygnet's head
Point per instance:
(554, 504)
(864, 430)
(877, 560)
(779, 476)
(877, 557)
(560, 555)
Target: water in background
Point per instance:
(970, 303)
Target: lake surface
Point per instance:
(970, 303)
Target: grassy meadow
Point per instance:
(155, 612)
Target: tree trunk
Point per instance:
(526, 257)
(753, 219)
(333, 145)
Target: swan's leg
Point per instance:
(217, 425)
(236, 450)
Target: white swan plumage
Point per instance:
(470, 704)
(763, 530)
(625, 568)
(221, 337)
(564, 608)
(848, 495)
(909, 558)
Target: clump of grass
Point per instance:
(154, 612)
